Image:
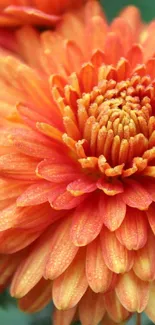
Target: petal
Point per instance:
(123, 71)
(37, 298)
(29, 116)
(150, 310)
(114, 308)
(96, 32)
(135, 55)
(74, 55)
(108, 321)
(131, 14)
(62, 251)
(149, 171)
(81, 186)
(132, 292)
(144, 265)
(50, 131)
(37, 217)
(117, 258)
(150, 185)
(113, 48)
(65, 201)
(13, 240)
(35, 194)
(69, 287)
(108, 188)
(126, 37)
(136, 196)
(57, 173)
(151, 216)
(99, 277)
(133, 231)
(10, 188)
(87, 223)
(87, 77)
(98, 58)
(32, 144)
(21, 167)
(8, 264)
(150, 67)
(32, 15)
(91, 308)
(112, 210)
(63, 317)
(30, 271)
(148, 41)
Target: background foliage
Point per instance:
(9, 314)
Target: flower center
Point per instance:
(111, 126)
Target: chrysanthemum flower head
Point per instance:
(37, 12)
(77, 167)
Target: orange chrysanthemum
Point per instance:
(77, 167)
(38, 12)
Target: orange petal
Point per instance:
(13, 240)
(150, 67)
(136, 196)
(114, 308)
(91, 308)
(10, 188)
(37, 298)
(132, 292)
(113, 48)
(35, 194)
(81, 186)
(87, 77)
(148, 40)
(87, 222)
(57, 173)
(31, 15)
(99, 277)
(150, 310)
(108, 188)
(133, 231)
(126, 37)
(8, 264)
(36, 217)
(149, 171)
(50, 131)
(66, 201)
(96, 32)
(112, 210)
(21, 167)
(131, 14)
(117, 258)
(108, 321)
(150, 214)
(144, 265)
(32, 144)
(123, 71)
(31, 270)
(62, 251)
(74, 55)
(69, 287)
(63, 317)
(98, 58)
(29, 116)
(135, 55)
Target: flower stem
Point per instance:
(138, 322)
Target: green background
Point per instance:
(9, 314)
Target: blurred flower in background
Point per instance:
(77, 167)
(37, 12)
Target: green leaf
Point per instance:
(112, 8)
